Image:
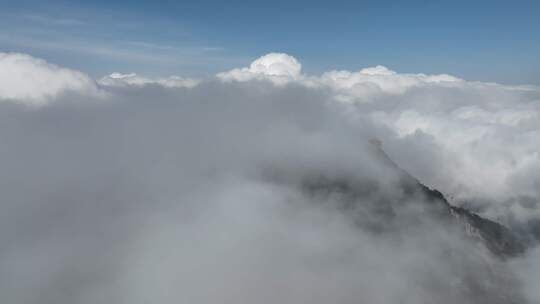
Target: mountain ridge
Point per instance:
(500, 240)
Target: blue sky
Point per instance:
(478, 40)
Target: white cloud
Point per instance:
(132, 79)
(485, 130)
(34, 81)
(279, 68)
(485, 134)
(379, 79)
(226, 171)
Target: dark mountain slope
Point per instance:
(388, 204)
(377, 206)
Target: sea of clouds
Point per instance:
(128, 189)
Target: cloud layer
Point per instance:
(34, 81)
(178, 190)
(132, 79)
(482, 137)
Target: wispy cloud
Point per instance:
(93, 48)
(120, 41)
(53, 21)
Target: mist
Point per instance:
(260, 185)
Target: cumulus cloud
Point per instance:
(483, 136)
(238, 189)
(34, 81)
(378, 80)
(279, 68)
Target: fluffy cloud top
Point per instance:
(485, 130)
(277, 67)
(379, 79)
(281, 68)
(34, 81)
(484, 135)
